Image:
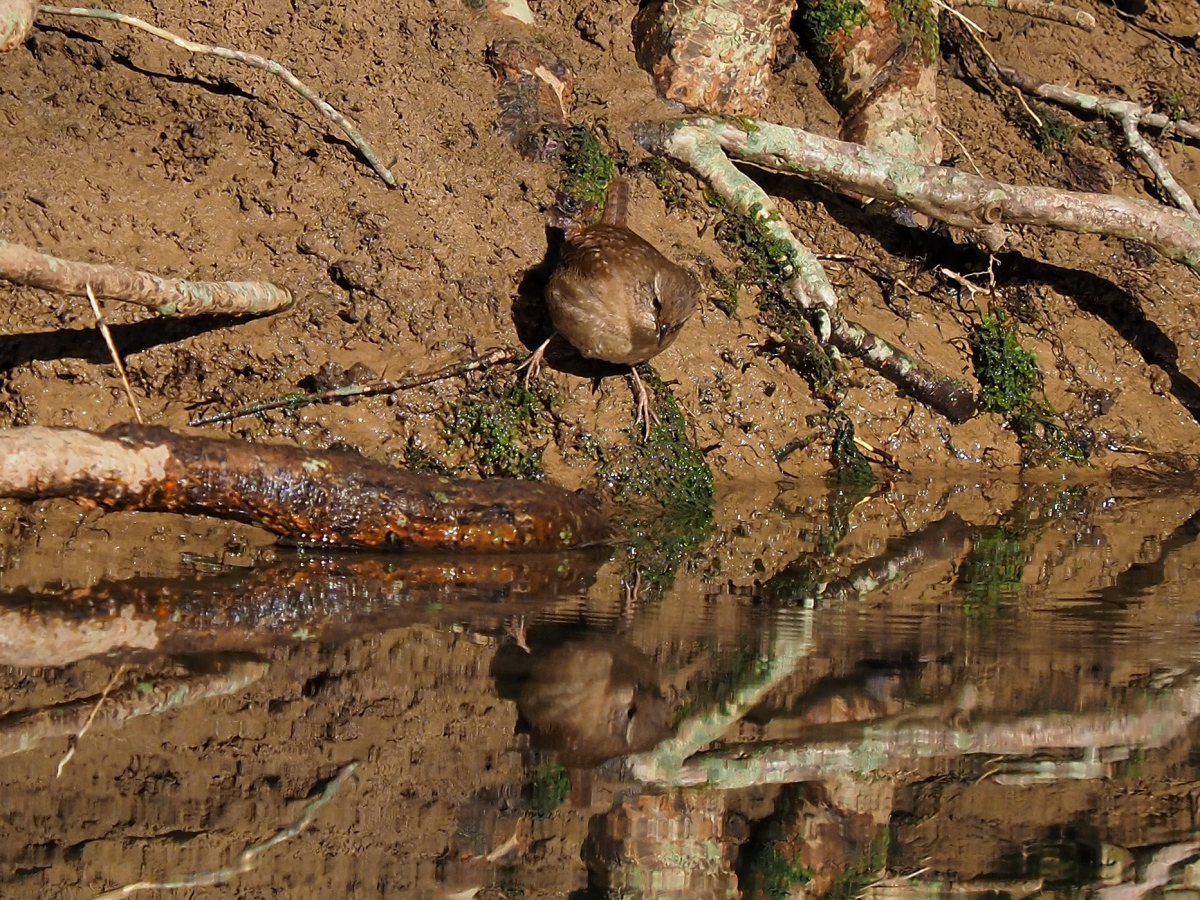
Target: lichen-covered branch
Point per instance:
(793, 642)
(166, 296)
(950, 195)
(331, 498)
(693, 142)
(879, 746)
(1126, 113)
(250, 59)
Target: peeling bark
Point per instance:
(878, 63)
(711, 55)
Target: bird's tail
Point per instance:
(616, 202)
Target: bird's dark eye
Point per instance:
(631, 712)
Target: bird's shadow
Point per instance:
(532, 318)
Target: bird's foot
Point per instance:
(642, 401)
(515, 628)
(533, 365)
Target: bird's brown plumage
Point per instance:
(613, 296)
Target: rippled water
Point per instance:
(926, 690)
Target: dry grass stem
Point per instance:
(116, 357)
(90, 719)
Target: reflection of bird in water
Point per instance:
(589, 701)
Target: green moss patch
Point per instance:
(496, 422)
(1009, 384)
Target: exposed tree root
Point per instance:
(166, 296)
(693, 142)
(950, 195)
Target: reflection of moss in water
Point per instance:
(495, 422)
(770, 864)
(1008, 379)
(864, 870)
(993, 568)
(773, 865)
(776, 875)
(804, 577)
(666, 469)
(547, 788)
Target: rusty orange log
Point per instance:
(332, 498)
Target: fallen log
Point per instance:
(332, 498)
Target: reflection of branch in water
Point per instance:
(894, 744)
(25, 730)
(940, 539)
(1157, 873)
(247, 858)
(293, 600)
(792, 642)
(1140, 577)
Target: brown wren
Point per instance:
(614, 297)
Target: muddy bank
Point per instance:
(122, 149)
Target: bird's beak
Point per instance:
(663, 328)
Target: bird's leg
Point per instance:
(533, 365)
(642, 400)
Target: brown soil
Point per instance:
(121, 148)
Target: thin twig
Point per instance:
(1039, 9)
(116, 357)
(974, 30)
(295, 401)
(962, 147)
(250, 59)
(246, 860)
(75, 738)
(166, 296)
